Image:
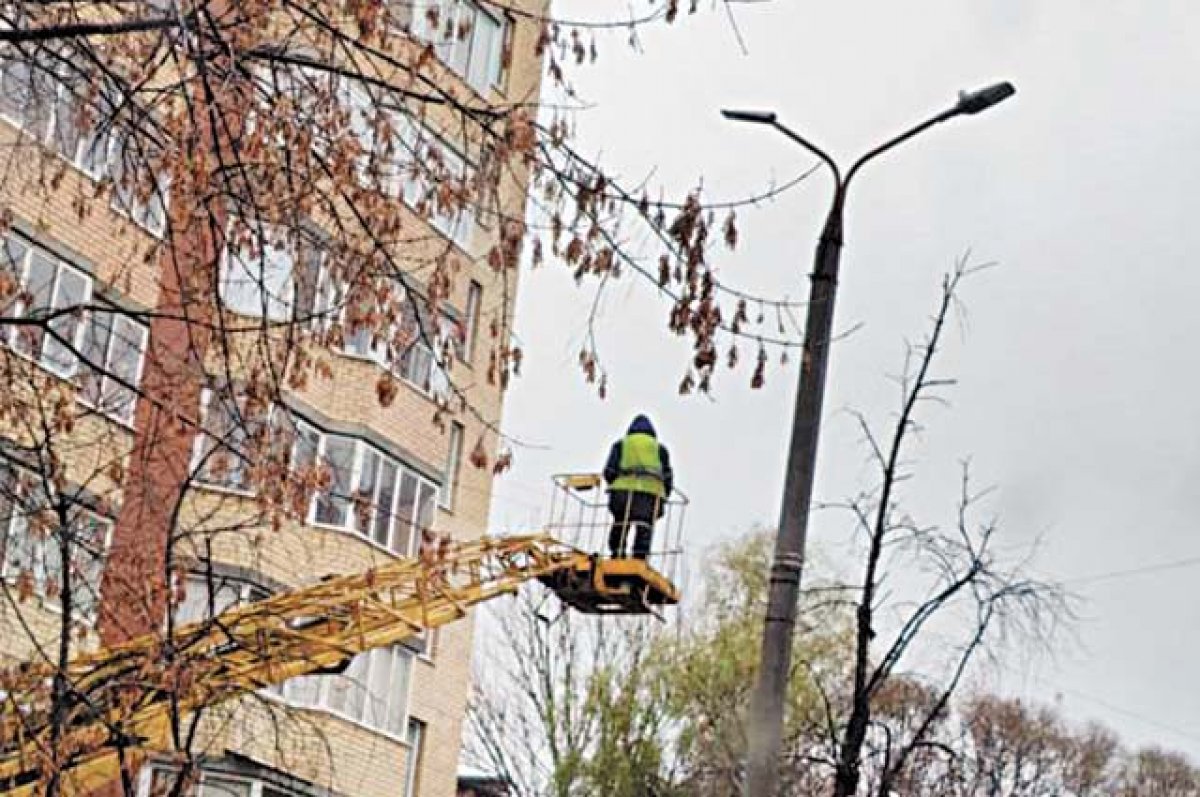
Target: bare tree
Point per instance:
(266, 187)
(967, 582)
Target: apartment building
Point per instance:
(121, 434)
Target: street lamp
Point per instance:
(765, 731)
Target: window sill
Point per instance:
(237, 492)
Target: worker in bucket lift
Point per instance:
(640, 480)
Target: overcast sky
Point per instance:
(1076, 367)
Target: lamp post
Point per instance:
(765, 729)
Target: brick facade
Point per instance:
(333, 754)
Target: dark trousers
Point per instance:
(636, 510)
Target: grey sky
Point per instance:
(1076, 396)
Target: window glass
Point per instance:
(373, 691)
(14, 90)
(87, 561)
(414, 736)
(406, 509)
(368, 485)
(453, 459)
(347, 691)
(95, 351)
(67, 129)
(132, 193)
(465, 36)
(72, 291)
(94, 153)
(426, 499)
(304, 455)
(486, 42)
(386, 508)
(39, 285)
(398, 689)
(12, 265)
(471, 321)
(32, 549)
(27, 96)
(314, 294)
(333, 504)
(211, 786)
(379, 687)
(124, 364)
(221, 455)
(259, 283)
(205, 598)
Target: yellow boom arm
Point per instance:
(122, 699)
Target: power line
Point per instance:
(1125, 712)
(1176, 564)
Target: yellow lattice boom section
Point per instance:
(125, 697)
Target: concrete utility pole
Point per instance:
(765, 730)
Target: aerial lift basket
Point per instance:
(602, 584)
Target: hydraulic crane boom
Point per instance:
(122, 699)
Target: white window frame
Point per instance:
(322, 701)
(18, 308)
(414, 740)
(255, 787)
(106, 366)
(199, 458)
(458, 54)
(285, 307)
(414, 141)
(8, 530)
(472, 313)
(447, 495)
(104, 156)
(361, 450)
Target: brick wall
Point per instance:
(311, 744)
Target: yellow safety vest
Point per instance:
(640, 469)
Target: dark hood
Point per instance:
(641, 424)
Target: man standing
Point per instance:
(640, 480)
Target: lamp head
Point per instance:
(757, 117)
(973, 102)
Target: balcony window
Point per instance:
(203, 600)
(467, 36)
(411, 347)
(370, 493)
(51, 288)
(418, 152)
(277, 278)
(50, 111)
(372, 692)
